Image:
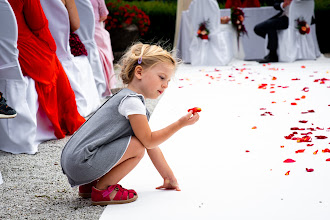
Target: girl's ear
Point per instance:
(138, 71)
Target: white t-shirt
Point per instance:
(132, 106)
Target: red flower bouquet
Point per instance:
(302, 26)
(121, 16)
(203, 32)
(237, 18)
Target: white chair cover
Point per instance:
(78, 69)
(218, 49)
(291, 44)
(17, 135)
(86, 35)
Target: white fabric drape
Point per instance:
(78, 69)
(218, 49)
(293, 45)
(17, 135)
(86, 35)
(253, 46)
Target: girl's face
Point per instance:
(155, 80)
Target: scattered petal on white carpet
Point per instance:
(232, 164)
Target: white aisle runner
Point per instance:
(230, 165)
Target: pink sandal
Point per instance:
(85, 191)
(102, 197)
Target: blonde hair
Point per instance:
(145, 55)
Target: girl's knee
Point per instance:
(138, 147)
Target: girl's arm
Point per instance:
(150, 139)
(163, 168)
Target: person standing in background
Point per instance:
(103, 41)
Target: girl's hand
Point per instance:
(189, 119)
(170, 184)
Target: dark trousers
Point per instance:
(270, 27)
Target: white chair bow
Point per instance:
(291, 44)
(86, 35)
(17, 135)
(218, 49)
(78, 69)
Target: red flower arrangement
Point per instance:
(203, 32)
(237, 18)
(302, 26)
(121, 16)
(76, 46)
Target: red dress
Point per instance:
(38, 60)
(250, 3)
(233, 4)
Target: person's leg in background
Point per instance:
(269, 28)
(5, 110)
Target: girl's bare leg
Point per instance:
(130, 159)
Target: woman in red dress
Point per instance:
(38, 60)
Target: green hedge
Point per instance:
(162, 21)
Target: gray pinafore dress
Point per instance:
(99, 143)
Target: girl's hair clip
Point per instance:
(140, 60)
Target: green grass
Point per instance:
(322, 5)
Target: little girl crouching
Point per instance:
(114, 139)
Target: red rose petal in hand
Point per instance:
(289, 161)
(195, 109)
(309, 170)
